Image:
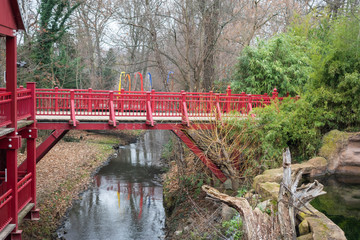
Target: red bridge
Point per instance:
(25, 110)
(29, 109)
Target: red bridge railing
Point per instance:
(112, 104)
(73, 103)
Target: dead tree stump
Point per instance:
(259, 225)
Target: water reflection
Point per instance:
(341, 203)
(126, 201)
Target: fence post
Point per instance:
(149, 117)
(275, 94)
(228, 99)
(243, 102)
(184, 111)
(112, 120)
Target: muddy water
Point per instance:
(126, 201)
(341, 203)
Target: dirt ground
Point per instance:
(65, 172)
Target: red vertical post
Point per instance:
(11, 154)
(228, 101)
(31, 135)
(56, 99)
(149, 117)
(89, 108)
(184, 110)
(11, 78)
(275, 94)
(112, 120)
(249, 104)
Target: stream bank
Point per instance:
(65, 172)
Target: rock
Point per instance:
(322, 227)
(228, 184)
(272, 175)
(269, 190)
(304, 228)
(348, 170)
(319, 166)
(306, 237)
(263, 205)
(178, 233)
(227, 213)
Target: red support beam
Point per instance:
(46, 146)
(200, 154)
(49, 143)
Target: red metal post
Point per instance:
(149, 117)
(112, 120)
(184, 111)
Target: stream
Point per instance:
(126, 200)
(341, 203)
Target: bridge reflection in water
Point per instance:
(126, 199)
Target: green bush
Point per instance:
(294, 124)
(279, 62)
